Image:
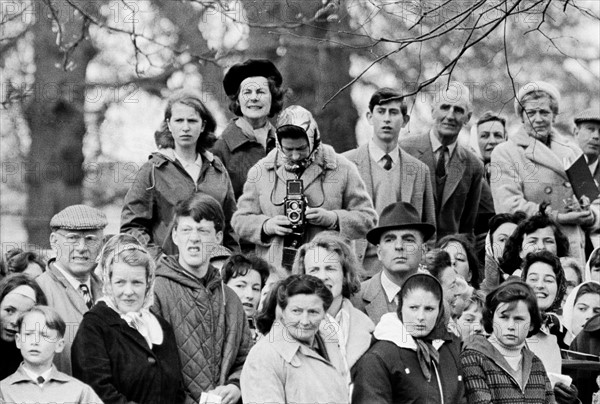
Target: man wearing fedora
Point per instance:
(400, 238)
(390, 174)
(69, 282)
(587, 133)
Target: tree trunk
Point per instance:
(314, 70)
(55, 114)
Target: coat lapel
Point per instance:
(407, 179)
(363, 163)
(426, 156)
(456, 169)
(538, 153)
(74, 296)
(375, 295)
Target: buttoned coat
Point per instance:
(371, 299)
(117, 362)
(462, 190)
(330, 182)
(415, 186)
(69, 304)
(238, 153)
(526, 172)
(279, 369)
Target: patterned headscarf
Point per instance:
(299, 117)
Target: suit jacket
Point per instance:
(460, 201)
(371, 299)
(69, 304)
(415, 186)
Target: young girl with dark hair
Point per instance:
(414, 358)
(500, 368)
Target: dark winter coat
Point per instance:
(489, 378)
(238, 153)
(115, 360)
(162, 182)
(210, 325)
(389, 372)
(587, 341)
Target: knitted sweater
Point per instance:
(489, 379)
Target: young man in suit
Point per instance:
(400, 238)
(456, 173)
(69, 282)
(390, 174)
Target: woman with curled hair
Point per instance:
(27, 262)
(500, 369)
(181, 166)
(122, 350)
(462, 254)
(531, 168)
(330, 258)
(18, 294)
(255, 93)
(543, 272)
(536, 233)
(295, 361)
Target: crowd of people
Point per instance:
(266, 267)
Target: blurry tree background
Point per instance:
(83, 81)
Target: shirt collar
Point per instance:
(377, 153)
(197, 162)
(71, 279)
(436, 144)
(593, 166)
(34, 376)
(390, 288)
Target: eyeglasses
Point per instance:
(75, 238)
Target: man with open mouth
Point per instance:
(69, 281)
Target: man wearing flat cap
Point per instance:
(69, 282)
(401, 239)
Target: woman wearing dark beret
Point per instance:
(255, 93)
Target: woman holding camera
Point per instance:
(326, 192)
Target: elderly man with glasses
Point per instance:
(69, 282)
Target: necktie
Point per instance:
(85, 291)
(440, 169)
(387, 165)
(40, 380)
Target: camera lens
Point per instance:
(294, 216)
(294, 205)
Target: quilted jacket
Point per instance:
(210, 326)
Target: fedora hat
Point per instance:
(250, 68)
(400, 215)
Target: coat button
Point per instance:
(548, 190)
(151, 360)
(567, 184)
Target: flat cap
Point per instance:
(79, 217)
(588, 115)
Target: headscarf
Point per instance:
(569, 306)
(587, 273)
(299, 117)
(143, 320)
(427, 355)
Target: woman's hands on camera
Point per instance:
(321, 217)
(277, 226)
